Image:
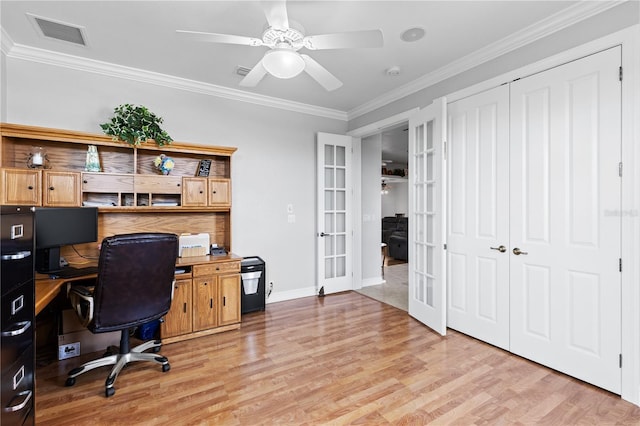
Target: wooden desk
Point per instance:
(47, 288)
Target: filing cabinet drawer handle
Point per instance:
(16, 256)
(24, 326)
(13, 408)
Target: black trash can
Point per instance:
(253, 274)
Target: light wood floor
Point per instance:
(341, 359)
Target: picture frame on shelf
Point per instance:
(204, 166)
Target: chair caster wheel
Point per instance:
(70, 381)
(155, 349)
(109, 392)
(166, 367)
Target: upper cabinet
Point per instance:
(128, 180)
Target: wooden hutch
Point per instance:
(132, 196)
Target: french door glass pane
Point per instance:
(340, 178)
(328, 155)
(328, 245)
(328, 223)
(328, 200)
(328, 177)
(340, 156)
(341, 223)
(341, 200)
(328, 267)
(341, 266)
(341, 245)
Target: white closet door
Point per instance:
(565, 204)
(478, 216)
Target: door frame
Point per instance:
(629, 39)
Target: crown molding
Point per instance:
(6, 42)
(554, 23)
(27, 53)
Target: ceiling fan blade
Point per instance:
(372, 38)
(220, 38)
(254, 76)
(276, 13)
(320, 74)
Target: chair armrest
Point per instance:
(81, 298)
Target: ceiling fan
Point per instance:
(284, 39)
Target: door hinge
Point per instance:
(620, 360)
(444, 149)
(445, 246)
(620, 264)
(620, 73)
(620, 169)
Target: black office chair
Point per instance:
(134, 286)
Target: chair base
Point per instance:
(119, 361)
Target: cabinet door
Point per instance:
(229, 287)
(61, 189)
(219, 192)
(21, 187)
(205, 304)
(179, 318)
(194, 191)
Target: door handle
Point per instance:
(501, 249)
(518, 252)
(322, 234)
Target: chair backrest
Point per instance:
(134, 284)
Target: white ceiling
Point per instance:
(142, 35)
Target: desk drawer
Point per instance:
(216, 268)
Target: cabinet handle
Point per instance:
(201, 192)
(185, 308)
(85, 181)
(211, 303)
(24, 326)
(16, 256)
(51, 188)
(214, 192)
(224, 300)
(13, 408)
(178, 185)
(29, 187)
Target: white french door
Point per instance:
(334, 226)
(478, 216)
(427, 272)
(565, 221)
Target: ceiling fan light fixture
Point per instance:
(283, 63)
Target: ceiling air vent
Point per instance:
(243, 71)
(60, 31)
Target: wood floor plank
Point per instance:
(341, 359)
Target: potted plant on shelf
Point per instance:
(136, 124)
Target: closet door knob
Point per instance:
(501, 249)
(518, 252)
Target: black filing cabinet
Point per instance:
(17, 311)
(253, 274)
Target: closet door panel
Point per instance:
(478, 192)
(565, 244)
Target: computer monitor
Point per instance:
(62, 226)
